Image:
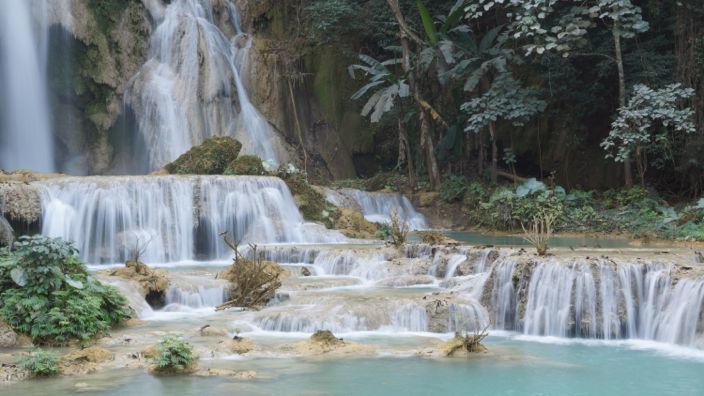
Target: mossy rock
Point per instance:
(209, 158)
(246, 165)
(311, 203)
(325, 337)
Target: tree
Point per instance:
(561, 26)
(505, 100)
(647, 123)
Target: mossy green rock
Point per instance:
(210, 158)
(246, 165)
(311, 203)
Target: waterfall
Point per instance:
(377, 207)
(196, 296)
(600, 299)
(25, 126)
(172, 218)
(190, 87)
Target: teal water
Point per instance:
(514, 367)
(475, 238)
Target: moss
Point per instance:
(311, 203)
(325, 337)
(209, 158)
(246, 165)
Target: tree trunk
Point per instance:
(621, 94)
(426, 138)
(404, 152)
(494, 152)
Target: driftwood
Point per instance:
(470, 342)
(254, 281)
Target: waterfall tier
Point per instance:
(377, 207)
(172, 218)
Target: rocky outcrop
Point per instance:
(8, 337)
(153, 283)
(84, 361)
(19, 202)
(353, 225)
(211, 157)
(323, 342)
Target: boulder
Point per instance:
(209, 158)
(353, 225)
(83, 361)
(8, 337)
(153, 283)
(246, 165)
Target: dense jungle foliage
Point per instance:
(593, 94)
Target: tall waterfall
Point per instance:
(601, 299)
(190, 87)
(25, 126)
(377, 207)
(172, 218)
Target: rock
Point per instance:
(323, 342)
(212, 331)
(19, 201)
(353, 225)
(239, 345)
(209, 158)
(246, 165)
(305, 271)
(83, 361)
(7, 234)
(153, 283)
(8, 337)
(218, 372)
(150, 352)
(426, 199)
(10, 373)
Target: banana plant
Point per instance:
(385, 86)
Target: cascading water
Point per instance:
(190, 87)
(172, 218)
(377, 207)
(599, 300)
(25, 126)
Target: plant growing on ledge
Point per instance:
(398, 229)
(41, 363)
(540, 232)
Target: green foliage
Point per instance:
(41, 363)
(386, 85)
(648, 121)
(246, 165)
(209, 158)
(47, 293)
(328, 20)
(174, 355)
(507, 209)
(453, 188)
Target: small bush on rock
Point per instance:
(47, 293)
(174, 355)
(41, 363)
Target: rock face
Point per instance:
(19, 201)
(212, 157)
(353, 225)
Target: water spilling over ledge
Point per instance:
(173, 218)
(377, 207)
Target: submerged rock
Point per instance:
(83, 361)
(218, 372)
(239, 345)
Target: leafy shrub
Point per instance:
(41, 363)
(453, 188)
(174, 355)
(48, 293)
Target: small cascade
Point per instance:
(377, 207)
(196, 296)
(597, 299)
(190, 88)
(467, 317)
(172, 218)
(26, 140)
(410, 317)
(367, 266)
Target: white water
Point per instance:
(190, 88)
(25, 131)
(606, 301)
(172, 218)
(378, 207)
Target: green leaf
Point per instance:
(74, 283)
(428, 24)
